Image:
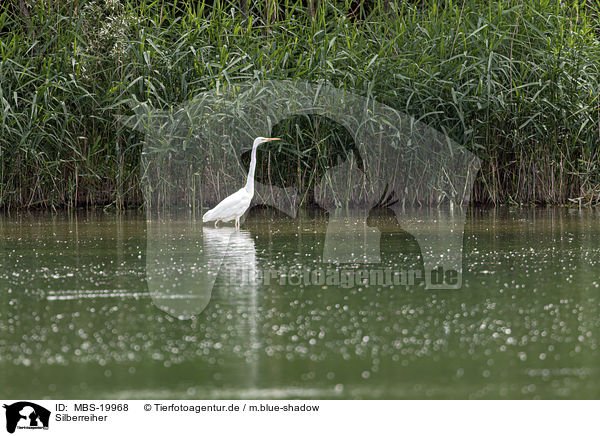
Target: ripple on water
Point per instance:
(524, 325)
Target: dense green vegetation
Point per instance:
(515, 82)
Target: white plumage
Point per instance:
(234, 206)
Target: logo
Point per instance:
(26, 415)
(394, 166)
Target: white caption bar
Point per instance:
(296, 417)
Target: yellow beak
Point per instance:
(272, 139)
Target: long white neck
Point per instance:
(250, 181)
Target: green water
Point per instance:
(78, 318)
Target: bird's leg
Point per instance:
(237, 223)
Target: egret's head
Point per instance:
(260, 140)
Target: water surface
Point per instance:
(79, 319)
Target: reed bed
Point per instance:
(516, 83)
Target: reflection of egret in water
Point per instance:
(216, 240)
(182, 264)
(237, 288)
(183, 261)
(238, 267)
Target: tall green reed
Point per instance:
(514, 82)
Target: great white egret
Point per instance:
(234, 206)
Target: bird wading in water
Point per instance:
(234, 206)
